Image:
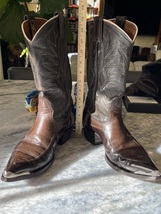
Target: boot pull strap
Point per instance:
(120, 21)
(98, 23)
(98, 28)
(32, 25)
(101, 8)
(62, 42)
(61, 24)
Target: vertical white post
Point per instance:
(1, 66)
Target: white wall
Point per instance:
(144, 41)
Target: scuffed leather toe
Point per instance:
(138, 166)
(28, 159)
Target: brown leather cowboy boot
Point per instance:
(55, 120)
(109, 50)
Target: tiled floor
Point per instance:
(79, 181)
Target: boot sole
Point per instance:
(63, 138)
(128, 173)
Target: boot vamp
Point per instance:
(38, 146)
(135, 165)
(131, 156)
(29, 156)
(127, 154)
(121, 148)
(36, 149)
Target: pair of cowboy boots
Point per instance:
(109, 45)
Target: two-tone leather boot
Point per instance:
(54, 122)
(109, 45)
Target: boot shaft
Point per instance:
(49, 61)
(109, 53)
(47, 51)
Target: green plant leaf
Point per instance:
(4, 3)
(2, 6)
(11, 19)
(10, 22)
(52, 6)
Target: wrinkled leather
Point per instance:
(38, 146)
(108, 62)
(54, 121)
(49, 60)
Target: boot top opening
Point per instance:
(130, 28)
(28, 27)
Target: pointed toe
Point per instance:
(10, 176)
(143, 169)
(20, 169)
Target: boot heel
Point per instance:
(90, 135)
(65, 136)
